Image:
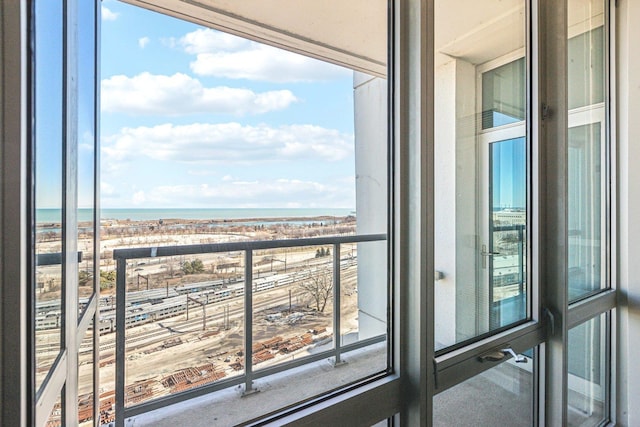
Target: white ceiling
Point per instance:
(352, 33)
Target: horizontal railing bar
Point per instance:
(511, 227)
(161, 402)
(53, 258)
(363, 343)
(163, 251)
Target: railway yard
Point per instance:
(183, 335)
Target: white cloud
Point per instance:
(106, 189)
(143, 42)
(226, 143)
(179, 94)
(223, 55)
(206, 172)
(138, 198)
(263, 194)
(108, 15)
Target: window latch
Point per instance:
(498, 355)
(552, 320)
(486, 254)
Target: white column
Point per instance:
(455, 201)
(628, 376)
(370, 99)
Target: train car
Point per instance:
(146, 310)
(50, 320)
(44, 307)
(198, 287)
(260, 285)
(105, 325)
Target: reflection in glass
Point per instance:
(584, 211)
(501, 396)
(503, 94)
(588, 364)
(507, 232)
(586, 49)
(586, 148)
(86, 150)
(48, 184)
(480, 170)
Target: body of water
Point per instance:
(54, 215)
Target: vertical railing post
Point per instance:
(121, 309)
(248, 322)
(336, 304)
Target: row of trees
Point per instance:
(322, 252)
(192, 267)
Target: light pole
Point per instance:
(204, 312)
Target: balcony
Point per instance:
(294, 305)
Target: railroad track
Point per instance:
(193, 325)
(262, 300)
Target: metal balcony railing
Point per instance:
(247, 248)
(511, 309)
(518, 255)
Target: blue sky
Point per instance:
(509, 164)
(193, 117)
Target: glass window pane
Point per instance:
(480, 170)
(586, 49)
(48, 183)
(194, 309)
(313, 169)
(85, 381)
(299, 320)
(507, 233)
(585, 211)
(363, 314)
(500, 396)
(86, 149)
(503, 94)
(588, 367)
(586, 149)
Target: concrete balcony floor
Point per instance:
(500, 396)
(229, 407)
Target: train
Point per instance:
(147, 306)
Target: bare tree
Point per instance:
(319, 287)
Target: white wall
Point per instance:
(629, 218)
(370, 99)
(455, 201)
(445, 205)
